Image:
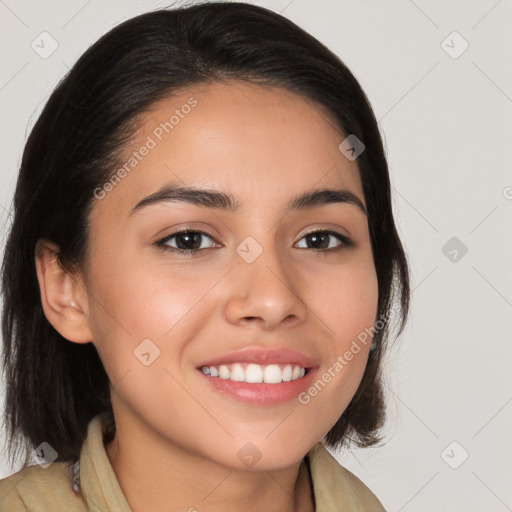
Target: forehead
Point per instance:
(254, 142)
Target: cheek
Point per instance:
(347, 305)
(142, 300)
(347, 302)
(135, 300)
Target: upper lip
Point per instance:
(262, 356)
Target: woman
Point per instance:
(200, 275)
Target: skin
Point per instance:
(177, 440)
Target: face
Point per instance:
(267, 288)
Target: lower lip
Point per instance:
(261, 394)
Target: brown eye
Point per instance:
(325, 240)
(185, 242)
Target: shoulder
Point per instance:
(336, 487)
(35, 488)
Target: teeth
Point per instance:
(255, 373)
(223, 372)
(272, 374)
(237, 373)
(287, 373)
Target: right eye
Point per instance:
(187, 241)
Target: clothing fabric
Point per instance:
(90, 484)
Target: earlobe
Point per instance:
(63, 298)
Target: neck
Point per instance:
(170, 479)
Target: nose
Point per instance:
(265, 291)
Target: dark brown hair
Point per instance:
(54, 387)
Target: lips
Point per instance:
(280, 356)
(261, 377)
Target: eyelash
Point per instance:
(346, 242)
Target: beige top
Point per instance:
(36, 489)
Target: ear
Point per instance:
(63, 295)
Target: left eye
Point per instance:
(320, 240)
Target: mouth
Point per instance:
(260, 377)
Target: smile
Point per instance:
(256, 373)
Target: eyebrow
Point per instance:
(224, 201)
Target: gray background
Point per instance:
(446, 120)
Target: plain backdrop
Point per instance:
(439, 77)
